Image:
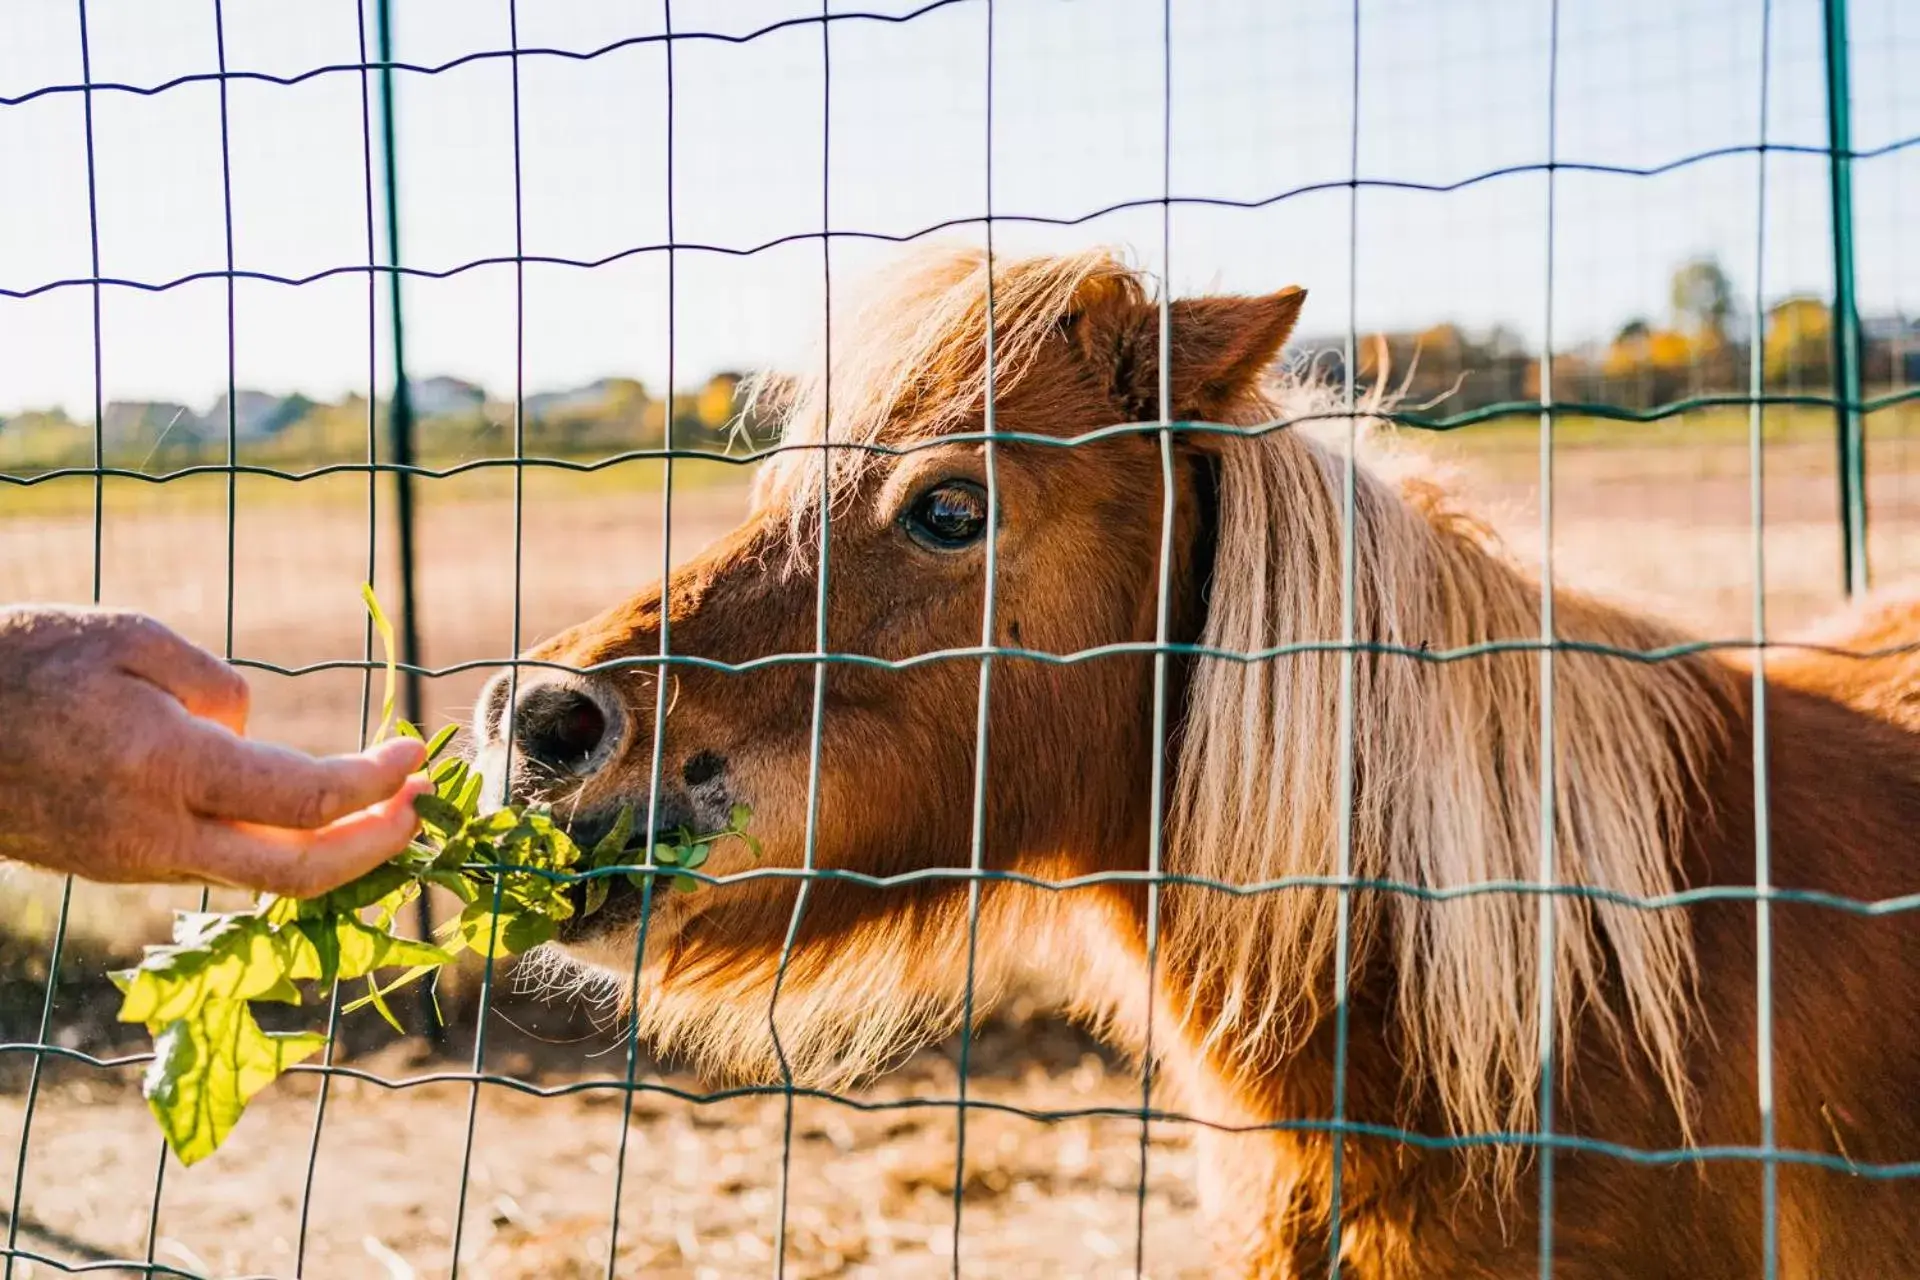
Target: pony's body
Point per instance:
(1843, 1030)
(1652, 1012)
(1866, 655)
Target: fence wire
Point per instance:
(375, 77)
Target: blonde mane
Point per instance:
(1446, 764)
(1446, 784)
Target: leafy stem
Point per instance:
(510, 869)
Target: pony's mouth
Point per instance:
(626, 902)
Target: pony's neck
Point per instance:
(1389, 766)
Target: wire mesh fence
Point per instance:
(1745, 427)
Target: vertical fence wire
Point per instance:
(38, 1067)
(1547, 1007)
(490, 965)
(662, 674)
(1349, 659)
(1847, 381)
(400, 425)
(323, 1093)
(982, 725)
(810, 846)
(1762, 798)
(232, 489)
(1163, 594)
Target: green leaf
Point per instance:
(469, 798)
(666, 855)
(305, 960)
(324, 941)
(738, 817)
(608, 850)
(692, 859)
(516, 839)
(380, 1005)
(561, 849)
(508, 933)
(453, 855)
(406, 979)
(595, 895)
(439, 741)
(686, 884)
(379, 883)
(408, 729)
(453, 882)
(526, 931)
(230, 957)
(207, 1068)
(439, 814)
(499, 822)
(385, 628)
(479, 927)
(364, 949)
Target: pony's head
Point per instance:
(875, 547)
(869, 542)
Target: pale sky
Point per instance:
(1260, 105)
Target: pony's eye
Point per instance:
(948, 517)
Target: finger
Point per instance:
(305, 864)
(204, 684)
(229, 777)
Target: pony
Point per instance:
(1412, 760)
(1864, 655)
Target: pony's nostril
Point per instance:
(558, 727)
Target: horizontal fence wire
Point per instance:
(1425, 422)
(951, 224)
(489, 55)
(1665, 653)
(1849, 403)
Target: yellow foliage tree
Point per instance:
(1799, 341)
(714, 407)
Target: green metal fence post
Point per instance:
(400, 432)
(1848, 421)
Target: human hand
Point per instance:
(122, 760)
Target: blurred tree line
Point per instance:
(454, 421)
(1701, 347)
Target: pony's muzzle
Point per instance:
(562, 729)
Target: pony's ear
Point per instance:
(1221, 346)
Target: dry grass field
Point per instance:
(1655, 515)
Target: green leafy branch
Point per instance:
(510, 870)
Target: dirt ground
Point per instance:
(869, 1191)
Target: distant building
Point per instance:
(442, 395)
(1899, 337)
(598, 395)
(149, 420)
(256, 414)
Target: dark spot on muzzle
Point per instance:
(703, 768)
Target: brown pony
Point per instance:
(1652, 1011)
(1864, 655)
